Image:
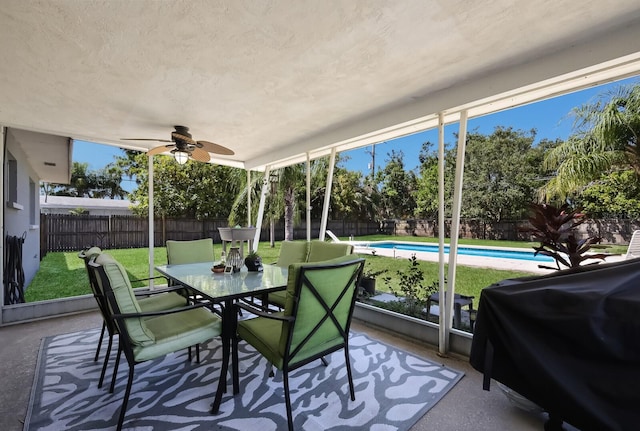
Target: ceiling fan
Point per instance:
(183, 146)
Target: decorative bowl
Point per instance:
(218, 269)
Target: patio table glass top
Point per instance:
(221, 286)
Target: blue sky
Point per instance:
(550, 118)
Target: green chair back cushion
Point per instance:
(292, 252)
(319, 251)
(89, 253)
(329, 283)
(126, 299)
(180, 252)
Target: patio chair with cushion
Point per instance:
(315, 321)
(310, 251)
(148, 335)
(193, 251)
(157, 300)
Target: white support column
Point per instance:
(442, 337)
(455, 225)
(308, 172)
(248, 198)
(260, 216)
(151, 224)
(327, 195)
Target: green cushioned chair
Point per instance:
(148, 301)
(313, 251)
(195, 251)
(148, 335)
(315, 322)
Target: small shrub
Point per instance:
(412, 288)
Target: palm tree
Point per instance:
(283, 199)
(606, 139)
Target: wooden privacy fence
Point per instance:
(62, 232)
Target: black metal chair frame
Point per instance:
(303, 282)
(107, 321)
(125, 345)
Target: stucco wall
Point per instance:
(17, 221)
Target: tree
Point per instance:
(427, 193)
(199, 190)
(605, 139)
(398, 188)
(614, 195)
(103, 183)
(501, 174)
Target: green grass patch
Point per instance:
(469, 280)
(63, 274)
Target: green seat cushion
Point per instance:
(125, 298)
(162, 301)
(180, 252)
(320, 251)
(292, 252)
(177, 331)
(263, 334)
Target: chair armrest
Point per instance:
(145, 291)
(261, 313)
(160, 313)
(148, 278)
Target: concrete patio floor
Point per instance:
(465, 407)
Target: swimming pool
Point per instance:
(462, 250)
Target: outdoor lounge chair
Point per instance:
(148, 335)
(148, 301)
(633, 250)
(315, 321)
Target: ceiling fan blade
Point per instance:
(145, 139)
(159, 150)
(200, 155)
(215, 148)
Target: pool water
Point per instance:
(467, 251)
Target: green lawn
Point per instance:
(63, 274)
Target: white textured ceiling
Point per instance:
(275, 79)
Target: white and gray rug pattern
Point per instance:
(393, 390)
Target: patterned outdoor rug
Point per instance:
(393, 390)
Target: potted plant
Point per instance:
(253, 261)
(368, 280)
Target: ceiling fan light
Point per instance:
(181, 157)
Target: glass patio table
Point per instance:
(225, 289)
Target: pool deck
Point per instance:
(477, 261)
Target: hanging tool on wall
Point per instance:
(13, 270)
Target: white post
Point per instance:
(248, 198)
(442, 337)
(151, 225)
(308, 172)
(455, 225)
(327, 195)
(260, 216)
